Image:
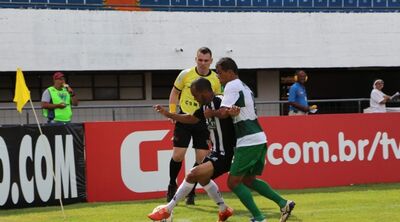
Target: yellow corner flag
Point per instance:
(22, 93)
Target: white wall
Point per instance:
(114, 40)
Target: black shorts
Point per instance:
(221, 163)
(184, 132)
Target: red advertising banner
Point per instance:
(332, 150)
(130, 160)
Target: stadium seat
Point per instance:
(97, 2)
(228, 3)
(379, 3)
(195, 2)
(154, 2)
(211, 2)
(275, 3)
(178, 2)
(365, 3)
(350, 3)
(18, 1)
(57, 1)
(335, 3)
(75, 1)
(39, 1)
(321, 3)
(394, 3)
(305, 3)
(260, 3)
(289, 3)
(243, 2)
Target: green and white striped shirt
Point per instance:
(247, 128)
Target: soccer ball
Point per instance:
(169, 219)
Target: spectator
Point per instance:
(378, 99)
(298, 103)
(57, 100)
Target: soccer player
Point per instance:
(217, 162)
(250, 151)
(184, 132)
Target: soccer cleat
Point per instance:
(254, 220)
(171, 192)
(224, 215)
(190, 198)
(287, 210)
(160, 214)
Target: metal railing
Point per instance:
(85, 113)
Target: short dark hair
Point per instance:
(227, 63)
(201, 85)
(204, 50)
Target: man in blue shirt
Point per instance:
(298, 104)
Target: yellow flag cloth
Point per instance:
(22, 93)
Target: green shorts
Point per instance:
(249, 160)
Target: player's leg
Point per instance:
(181, 141)
(244, 194)
(263, 188)
(241, 168)
(259, 185)
(212, 167)
(175, 166)
(199, 172)
(183, 190)
(200, 137)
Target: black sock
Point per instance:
(174, 168)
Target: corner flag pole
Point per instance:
(22, 96)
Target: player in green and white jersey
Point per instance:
(251, 144)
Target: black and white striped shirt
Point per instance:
(222, 133)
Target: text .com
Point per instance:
(382, 146)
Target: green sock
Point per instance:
(246, 198)
(265, 190)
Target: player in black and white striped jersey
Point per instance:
(219, 160)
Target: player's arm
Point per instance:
(222, 113)
(183, 118)
(173, 99)
(228, 107)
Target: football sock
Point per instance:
(213, 193)
(183, 190)
(193, 191)
(174, 168)
(246, 198)
(265, 190)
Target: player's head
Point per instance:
(202, 91)
(300, 76)
(203, 59)
(227, 70)
(378, 84)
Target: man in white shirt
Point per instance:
(378, 99)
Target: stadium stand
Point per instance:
(213, 5)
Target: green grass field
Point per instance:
(378, 202)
